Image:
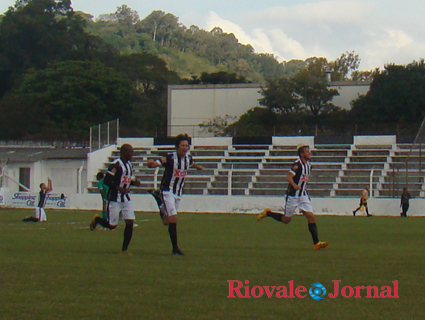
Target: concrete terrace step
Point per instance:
(368, 159)
(207, 153)
(240, 165)
(357, 179)
(365, 165)
(224, 178)
(246, 153)
(362, 172)
(333, 146)
(370, 153)
(243, 159)
(224, 184)
(354, 185)
(224, 191)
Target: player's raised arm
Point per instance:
(49, 185)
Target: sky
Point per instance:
(379, 31)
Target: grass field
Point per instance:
(62, 270)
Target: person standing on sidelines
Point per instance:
(297, 196)
(119, 178)
(363, 202)
(176, 165)
(40, 214)
(103, 190)
(404, 202)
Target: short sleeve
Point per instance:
(295, 167)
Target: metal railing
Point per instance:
(104, 135)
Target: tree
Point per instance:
(396, 97)
(343, 67)
(150, 78)
(280, 96)
(64, 100)
(126, 18)
(314, 92)
(218, 126)
(36, 32)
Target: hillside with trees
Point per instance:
(189, 51)
(63, 71)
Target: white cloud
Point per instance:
(258, 39)
(396, 38)
(333, 11)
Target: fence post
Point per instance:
(98, 129)
(107, 134)
(91, 132)
(155, 181)
(229, 181)
(118, 130)
(371, 183)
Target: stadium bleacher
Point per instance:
(339, 170)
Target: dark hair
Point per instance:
(125, 147)
(180, 138)
(41, 184)
(301, 150)
(404, 189)
(99, 176)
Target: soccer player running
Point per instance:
(40, 214)
(176, 166)
(119, 178)
(363, 202)
(296, 196)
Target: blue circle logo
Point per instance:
(317, 291)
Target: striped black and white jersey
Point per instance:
(119, 174)
(301, 172)
(176, 169)
(42, 198)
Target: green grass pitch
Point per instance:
(62, 270)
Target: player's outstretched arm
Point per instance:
(197, 167)
(156, 163)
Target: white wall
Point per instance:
(64, 174)
(190, 105)
(254, 205)
(136, 142)
(212, 141)
(96, 161)
(375, 140)
(293, 141)
(348, 91)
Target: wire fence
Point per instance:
(104, 135)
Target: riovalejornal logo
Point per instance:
(317, 291)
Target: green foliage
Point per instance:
(396, 98)
(219, 126)
(314, 92)
(65, 99)
(220, 77)
(162, 34)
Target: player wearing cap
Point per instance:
(297, 196)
